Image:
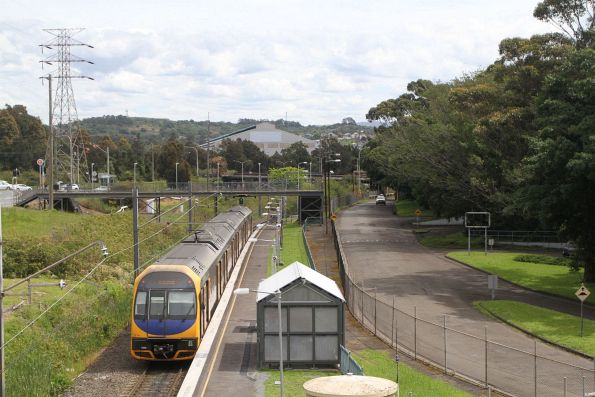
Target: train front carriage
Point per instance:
(175, 298)
(165, 314)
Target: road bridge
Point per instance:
(309, 201)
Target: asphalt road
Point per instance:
(384, 256)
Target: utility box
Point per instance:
(312, 318)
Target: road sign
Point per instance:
(40, 162)
(333, 217)
(417, 212)
(582, 293)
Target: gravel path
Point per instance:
(111, 373)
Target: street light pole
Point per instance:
(196, 151)
(108, 174)
(242, 163)
(92, 174)
(177, 175)
(258, 176)
(134, 171)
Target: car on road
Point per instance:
(569, 249)
(5, 185)
(101, 189)
(21, 187)
(69, 186)
(380, 200)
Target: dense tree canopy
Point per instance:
(516, 139)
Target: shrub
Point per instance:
(544, 259)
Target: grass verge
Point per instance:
(408, 208)
(450, 241)
(557, 280)
(381, 364)
(375, 363)
(293, 380)
(553, 326)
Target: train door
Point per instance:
(203, 310)
(157, 305)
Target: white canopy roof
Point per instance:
(293, 272)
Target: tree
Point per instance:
(9, 130)
(296, 153)
(172, 152)
(560, 186)
(574, 17)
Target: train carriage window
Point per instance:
(157, 305)
(140, 306)
(181, 304)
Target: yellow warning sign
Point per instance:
(333, 217)
(582, 293)
(417, 212)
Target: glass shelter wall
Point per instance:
(312, 324)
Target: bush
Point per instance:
(544, 259)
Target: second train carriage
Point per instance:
(175, 298)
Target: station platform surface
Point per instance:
(233, 368)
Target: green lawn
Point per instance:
(293, 380)
(375, 363)
(408, 207)
(23, 223)
(451, 241)
(293, 245)
(558, 280)
(553, 326)
(382, 364)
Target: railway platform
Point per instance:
(232, 369)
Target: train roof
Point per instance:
(201, 249)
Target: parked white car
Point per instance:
(5, 185)
(21, 187)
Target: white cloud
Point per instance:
(318, 61)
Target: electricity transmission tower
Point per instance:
(68, 151)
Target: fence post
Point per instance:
(485, 339)
(535, 367)
(415, 333)
(375, 302)
(362, 307)
(29, 292)
(392, 324)
(583, 386)
(444, 323)
(565, 386)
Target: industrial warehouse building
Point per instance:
(269, 139)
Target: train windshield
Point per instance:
(165, 304)
(181, 304)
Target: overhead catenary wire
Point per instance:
(83, 279)
(86, 276)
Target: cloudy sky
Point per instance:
(318, 61)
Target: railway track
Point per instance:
(157, 380)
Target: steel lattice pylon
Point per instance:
(69, 147)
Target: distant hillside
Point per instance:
(156, 130)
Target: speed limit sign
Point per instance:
(40, 162)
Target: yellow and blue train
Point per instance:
(175, 298)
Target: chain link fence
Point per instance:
(484, 361)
